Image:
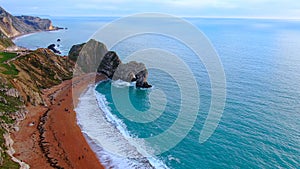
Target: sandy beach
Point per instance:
(49, 137)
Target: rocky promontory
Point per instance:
(13, 26)
(93, 56)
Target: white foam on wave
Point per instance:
(104, 131)
(121, 84)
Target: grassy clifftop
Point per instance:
(7, 69)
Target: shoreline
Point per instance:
(110, 132)
(49, 136)
(29, 34)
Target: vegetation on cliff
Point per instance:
(5, 42)
(10, 106)
(23, 74)
(5, 68)
(5, 159)
(22, 77)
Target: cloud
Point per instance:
(223, 8)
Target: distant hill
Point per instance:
(12, 26)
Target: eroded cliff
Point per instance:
(93, 56)
(23, 76)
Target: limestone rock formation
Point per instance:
(91, 55)
(94, 57)
(133, 71)
(141, 79)
(74, 51)
(109, 64)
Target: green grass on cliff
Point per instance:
(5, 68)
(4, 56)
(6, 42)
(12, 105)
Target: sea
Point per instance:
(260, 122)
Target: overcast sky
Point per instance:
(206, 8)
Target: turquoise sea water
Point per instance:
(260, 124)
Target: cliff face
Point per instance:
(94, 57)
(74, 51)
(11, 108)
(5, 42)
(92, 54)
(12, 26)
(30, 72)
(8, 24)
(35, 23)
(38, 70)
(109, 64)
(22, 78)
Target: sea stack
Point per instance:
(133, 71)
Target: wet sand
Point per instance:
(49, 137)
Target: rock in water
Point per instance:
(133, 71)
(141, 79)
(52, 47)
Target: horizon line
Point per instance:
(208, 17)
(180, 16)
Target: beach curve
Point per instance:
(49, 136)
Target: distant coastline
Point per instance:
(16, 38)
(12, 27)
